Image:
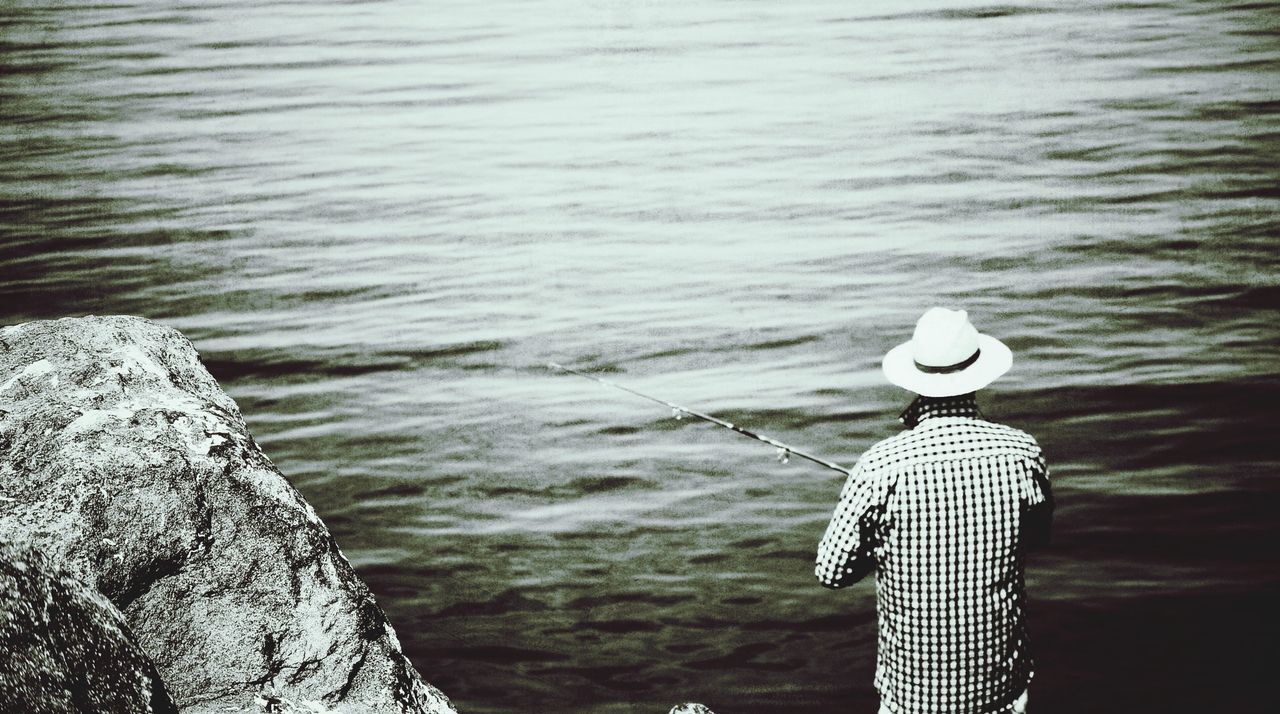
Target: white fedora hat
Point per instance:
(946, 356)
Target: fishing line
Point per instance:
(785, 452)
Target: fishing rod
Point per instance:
(785, 452)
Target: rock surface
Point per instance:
(690, 708)
(66, 648)
(123, 461)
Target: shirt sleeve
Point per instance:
(845, 552)
(1037, 502)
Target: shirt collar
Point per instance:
(964, 405)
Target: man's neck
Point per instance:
(963, 405)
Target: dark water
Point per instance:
(378, 220)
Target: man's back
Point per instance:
(943, 513)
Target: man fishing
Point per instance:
(944, 512)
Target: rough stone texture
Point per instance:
(690, 708)
(122, 459)
(66, 648)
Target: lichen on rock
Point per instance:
(123, 460)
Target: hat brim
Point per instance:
(900, 368)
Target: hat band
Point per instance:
(948, 369)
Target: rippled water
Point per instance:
(378, 220)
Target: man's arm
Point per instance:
(844, 555)
(1037, 509)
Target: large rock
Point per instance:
(65, 648)
(123, 460)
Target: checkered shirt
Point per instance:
(944, 512)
